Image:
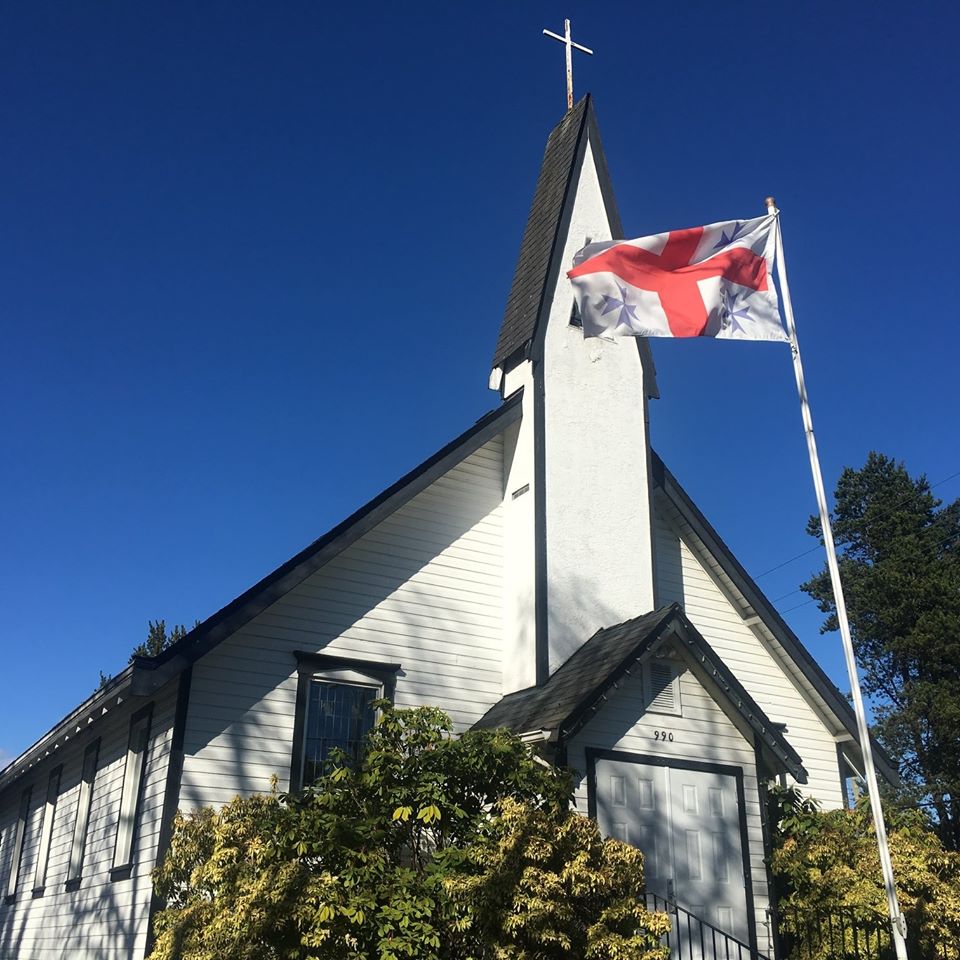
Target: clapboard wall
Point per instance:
(422, 589)
(683, 578)
(702, 732)
(99, 918)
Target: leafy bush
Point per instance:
(431, 846)
(827, 865)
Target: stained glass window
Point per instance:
(338, 715)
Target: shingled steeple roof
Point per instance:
(538, 265)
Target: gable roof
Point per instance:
(578, 689)
(538, 265)
(791, 644)
(146, 674)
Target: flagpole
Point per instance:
(898, 926)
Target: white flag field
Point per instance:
(713, 281)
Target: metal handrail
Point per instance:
(703, 940)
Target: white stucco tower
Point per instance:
(577, 489)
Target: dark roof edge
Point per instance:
(747, 707)
(244, 608)
(588, 131)
(144, 675)
(674, 620)
(584, 710)
(795, 648)
(561, 230)
(95, 703)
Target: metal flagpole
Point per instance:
(897, 923)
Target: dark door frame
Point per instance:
(594, 754)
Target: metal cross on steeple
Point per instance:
(565, 39)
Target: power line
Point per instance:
(805, 553)
(943, 542)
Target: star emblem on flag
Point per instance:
(735, 234)
(733, 314)
(627, 312)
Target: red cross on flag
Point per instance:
(713, 281)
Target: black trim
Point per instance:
(791, 643)
(307, 665)
(537, 271)
(594, 754)
(204, 637)
(540, 579)
(171, 791)
(116, 873)
(325, 661)
(578, 689)
(767, 850)
(583, 712)
(73, 882)
(19, 842)
(53, 786)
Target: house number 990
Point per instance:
(663, 735)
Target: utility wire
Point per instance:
(805, 553)
(943, 542)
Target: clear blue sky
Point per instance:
(254, 256)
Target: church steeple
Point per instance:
(538, 265)
(578, 535)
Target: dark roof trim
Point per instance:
(593, 699)
(770, 734)
(244, 608)
(147, 674)
(101, 702)
(538, 267)
(562, 158)
(677, 624)
(791, 643)
(636, 640)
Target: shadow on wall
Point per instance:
(421, 589)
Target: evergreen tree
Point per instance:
(158, 639)
(156, 642)
(899, 549)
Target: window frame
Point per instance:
(23, 818)
(332, 669)
(46, 830)
(131, 793)
(81, 823)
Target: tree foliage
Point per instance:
(826, 864)
(900, 566)
(156, 642)
(158, 639)
(430, 846)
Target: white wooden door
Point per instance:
(687, 824)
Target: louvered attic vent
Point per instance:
(662, 688)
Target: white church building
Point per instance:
(543, 571)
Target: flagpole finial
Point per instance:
(771, 203)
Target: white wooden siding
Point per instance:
(702, 732)
(101, 919)
(683, 578)
(422, 589)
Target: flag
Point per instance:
(713, 281)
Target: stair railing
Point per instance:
(693, 938)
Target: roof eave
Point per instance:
(101, 702)
(824, 687)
